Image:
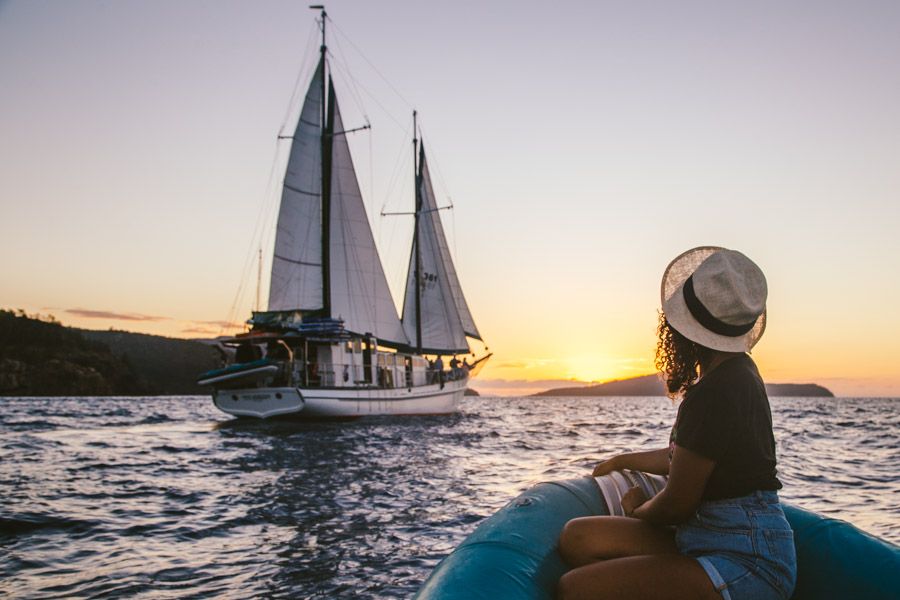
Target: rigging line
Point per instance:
(374, 99)
(398, 278)
(454, 326)
(304, 69)
(437, 165)
(455, 245)
(343, 73)
(392, 238)
(254, 242)
(400, 169)
(374, 68)
(399, 162)
(440, 176)
(371, 180)
(399, 166)
(372, 220)
(344, 69)
(264, 217)
(346, 74)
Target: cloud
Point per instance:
(528, 363)
(210, 328)
(512, 364)
(221, 324)
(105, 314)
(205, 328)
(201, 330)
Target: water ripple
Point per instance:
(167, 498)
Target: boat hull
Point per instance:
(318, 403)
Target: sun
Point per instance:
(598, 369)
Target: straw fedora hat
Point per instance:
(715, 297)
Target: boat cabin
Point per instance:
(266, 360)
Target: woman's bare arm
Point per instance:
(650, 461)
(680, 498)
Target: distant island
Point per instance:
(651, 385)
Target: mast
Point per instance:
(258, 278)
(418, 259)
(327, 127)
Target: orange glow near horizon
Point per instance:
(588, 368)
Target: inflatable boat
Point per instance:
(239, 372)
(512, 554)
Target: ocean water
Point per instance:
(169, 498)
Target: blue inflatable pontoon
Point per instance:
(512, 555)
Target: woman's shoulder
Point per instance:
(729, 379)
(737, 368)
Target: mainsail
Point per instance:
(444, 317)
(297, 262)
(359, 289)
(325, 260)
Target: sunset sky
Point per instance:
(583, 144)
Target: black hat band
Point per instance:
(705, 318)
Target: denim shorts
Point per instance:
(744, 544)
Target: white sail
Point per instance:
(444, 314)
(297, 262)
(359, 290)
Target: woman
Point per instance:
(717, 529)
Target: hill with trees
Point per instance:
(41, 357)
(651, 385)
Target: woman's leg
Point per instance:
(657, 577)
(590, 539)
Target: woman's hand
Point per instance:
(607, 466)
(632, 499)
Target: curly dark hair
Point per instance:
(677, 358)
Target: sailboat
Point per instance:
(331, 343)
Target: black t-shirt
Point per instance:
(726, 417)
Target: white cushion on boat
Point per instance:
(614, 485)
